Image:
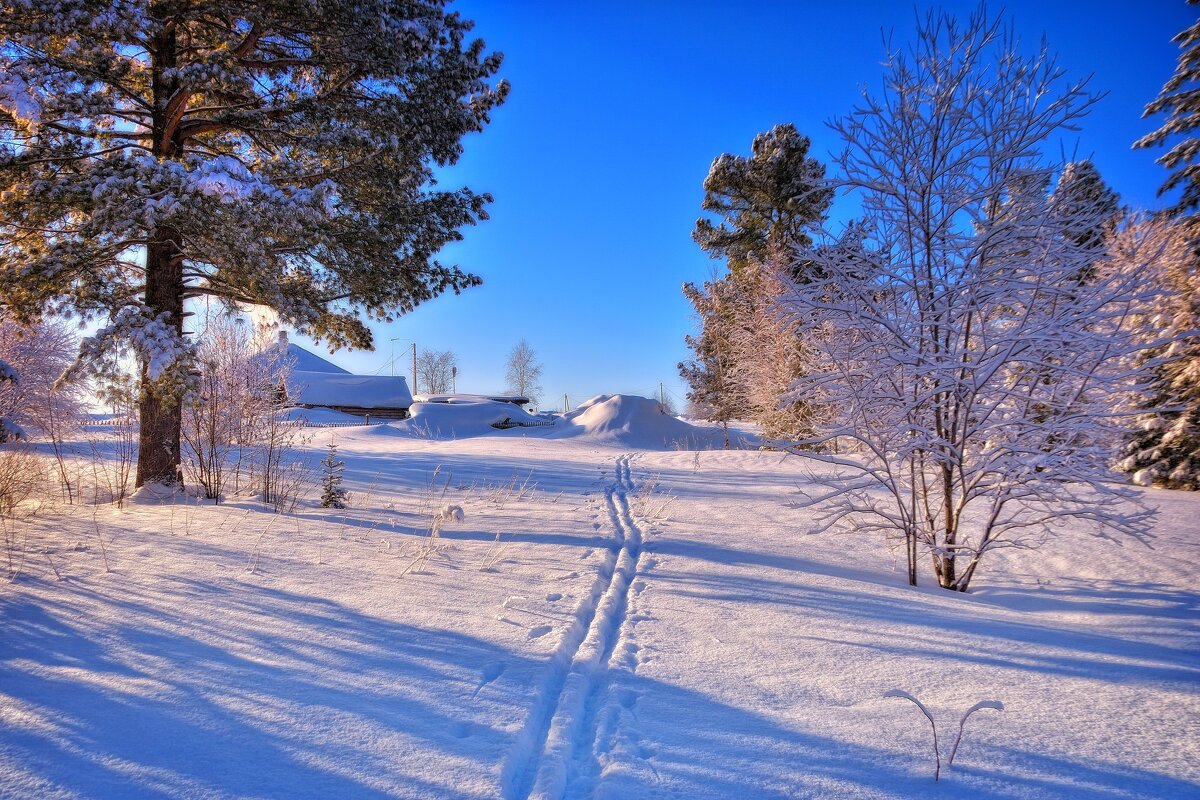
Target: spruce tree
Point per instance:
(1164, 449)
(1178, 100)
(269, 153)
(774, 196)
(332, 493)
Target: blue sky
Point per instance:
(616, 112)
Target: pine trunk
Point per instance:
(161, 413)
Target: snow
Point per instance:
(515, 399)
(451, 420)
(358, 391)
(295, 357)
(17, 97)
(598, 621)
(632, 421)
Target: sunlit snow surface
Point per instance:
(653, 623)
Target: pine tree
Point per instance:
(1178, 100)
(332, 493)
(254, 153)
(764, 203)
(1088, 206)
(1166, 449)
(774, 196)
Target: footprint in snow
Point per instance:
(491, 671)
(553, 597)
(586, 554)
(540, 631)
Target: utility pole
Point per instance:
(566, 407)
(662, 397)
(414, 386)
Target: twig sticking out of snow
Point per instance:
(446, 514)
(937, 770)
(992, 704)
(495, 554)
(256, 555)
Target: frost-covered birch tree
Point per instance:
(979, 379)
(36, 356)
(271, 153)
(523, 371)
(436, 370)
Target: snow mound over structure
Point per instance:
(632, 421)
(460, 420)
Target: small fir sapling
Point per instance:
(332, 493)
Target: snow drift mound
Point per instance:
(459, 420)
(633, 421)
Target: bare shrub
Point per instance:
(229, 418)
(21, 472)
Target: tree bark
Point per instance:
(161, 412)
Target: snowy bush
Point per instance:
(229, 428)
(35, 357)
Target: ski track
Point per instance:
(570, 721)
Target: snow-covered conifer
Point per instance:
(1164, 449)
(254, 153)
(1178, 101)
(333, 495)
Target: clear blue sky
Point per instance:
(618, 109)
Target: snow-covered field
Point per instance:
(607, 621)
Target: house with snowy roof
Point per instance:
(313, 382)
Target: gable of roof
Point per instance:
(302, 360)
(295, 357)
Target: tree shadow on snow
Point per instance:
(313, 700)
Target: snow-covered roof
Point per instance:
(516, 399)
(314, 388)
(299, 359)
